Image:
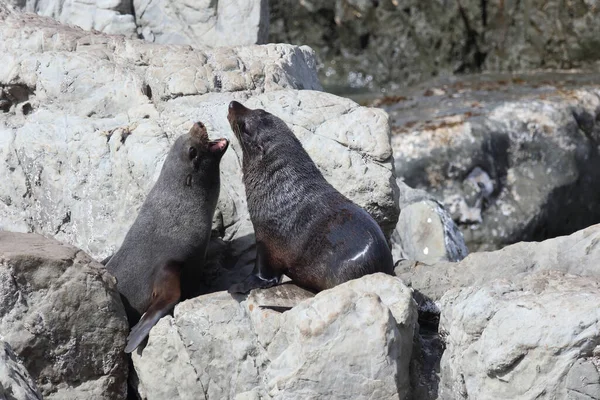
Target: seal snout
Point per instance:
(236, 110)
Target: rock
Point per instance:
(204, 23)
(91, 121)
(533, 338)
(15, 382)
(353, 341)
(577, 254)
(512, 158)
(425, 230)
(60, 312)
(369, 44)
(201, 24)
(113, 17)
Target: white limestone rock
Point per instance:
(536, 337)
(352, 341)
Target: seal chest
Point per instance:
(304, 227)
(170, 235)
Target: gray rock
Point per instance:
(89, 125)
(113, 16)
(353, 341)
(392, 43)
(513, 158)
(61, 313)
(204, 23)
(15, 382)
(425, 230)
(577, 254)
(201, 24)
(533, 338)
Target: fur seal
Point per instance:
(167, 243)
(304, 227)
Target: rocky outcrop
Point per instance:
(203, 23)
(537, 337)
(113, 17)
(88, 124)
(391, 43)
(200, 24)
(15, 382)
(469, 292)
(353, 341)
(60, 312)
(425, 230)
(513, 158)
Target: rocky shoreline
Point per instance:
(86, 119)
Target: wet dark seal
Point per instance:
(304, 227)
(167, 243)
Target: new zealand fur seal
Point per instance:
(167, 243)
(304, 227)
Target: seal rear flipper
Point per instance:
(166, 293)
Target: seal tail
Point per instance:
(166, 293)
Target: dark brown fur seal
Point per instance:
(304, 227)
(167, 242)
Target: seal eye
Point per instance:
(192, 153)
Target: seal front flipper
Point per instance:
(262, 276)
(165, 294)
(253, 282)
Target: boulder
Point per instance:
(577, 254)
(62, 315)
(533, 337)
(87, 127)
(512, 158)
(352, 341)
(425, 230)
(204, 23)
(15, 381)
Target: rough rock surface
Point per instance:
(60, 312)
(15, 381)
(414, 40)
(108, 16)
(537, 337)
(512, 158)
(203, 23)
(577, 254)
(353, 341)
(425, 230)
(87, 126)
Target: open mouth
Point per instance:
(218, 145)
